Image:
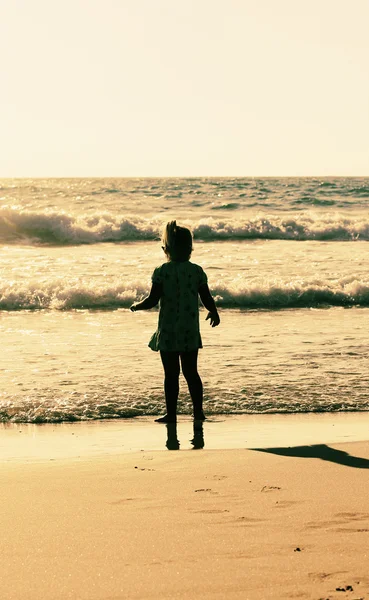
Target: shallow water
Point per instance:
(289, 276)
(96, 364)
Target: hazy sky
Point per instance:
(184, 87)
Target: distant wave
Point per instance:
(59, 295)
(361, 191)
(313, 201)
(227, 206)
(59, 228)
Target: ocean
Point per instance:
(286, 260)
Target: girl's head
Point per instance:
(177, 242)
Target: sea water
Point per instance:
(286, 260)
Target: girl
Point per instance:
(177, 284)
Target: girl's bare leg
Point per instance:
(170, 362)
(189, 370)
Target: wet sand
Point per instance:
(22, 441)
(285, 514)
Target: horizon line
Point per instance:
(181, 176)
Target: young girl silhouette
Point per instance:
(177, 284)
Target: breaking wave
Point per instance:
(18, 226)
(268, 295)
(92, 408)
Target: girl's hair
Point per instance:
(177, 242)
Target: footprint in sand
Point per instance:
(211, 511)
(324, 576)
(249, 520)
(353, 516)
(340, 519)
(270, 488)
(143, 469)
(286, 503)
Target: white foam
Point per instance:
(60, 228)
(262, 294)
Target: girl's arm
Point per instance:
(208, 302)
(151, 300)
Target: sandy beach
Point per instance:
(83, 520)
(184, 229)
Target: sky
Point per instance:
(134, 88)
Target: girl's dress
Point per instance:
(178, 327)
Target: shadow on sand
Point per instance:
(321, 451)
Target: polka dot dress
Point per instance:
(178, 326)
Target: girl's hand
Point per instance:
(214, 318)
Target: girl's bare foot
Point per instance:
(199, 416)
(166, 419)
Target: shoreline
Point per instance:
(93, 439)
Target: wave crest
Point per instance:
(59, 295)
(60, 228)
